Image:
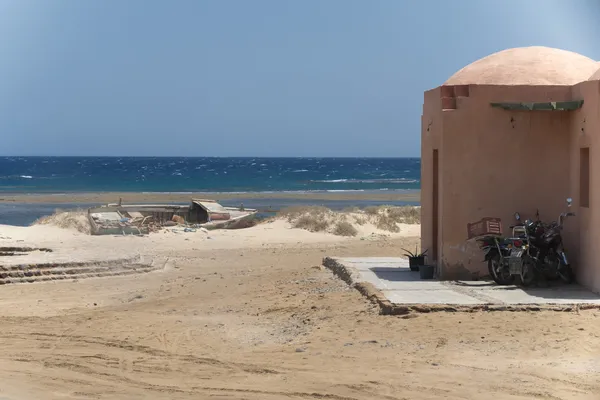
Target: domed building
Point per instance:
(513, 131)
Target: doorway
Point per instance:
(435, 207)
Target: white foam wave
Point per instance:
(391, 180)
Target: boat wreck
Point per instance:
(141, 219)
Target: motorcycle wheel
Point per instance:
(565, 274)
(552, 263)
(528, 275)
(503, 277)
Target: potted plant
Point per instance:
(415, 259)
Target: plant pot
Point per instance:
(415, 262)
(426, 271)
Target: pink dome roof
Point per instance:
(527, 66)
(596, 75)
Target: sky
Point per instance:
(274, 78)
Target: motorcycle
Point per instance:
(495, 250)
(546, 246)
(507, 258)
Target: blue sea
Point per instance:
(64, 175)
(155, 174)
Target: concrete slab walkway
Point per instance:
(395, 283)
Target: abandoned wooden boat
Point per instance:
(140, 219)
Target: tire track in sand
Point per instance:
(151, 359)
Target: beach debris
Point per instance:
(178, 219)
(142, 219)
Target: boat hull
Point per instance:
(119, 219)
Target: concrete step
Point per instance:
(72, 272)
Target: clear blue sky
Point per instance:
(250, 78)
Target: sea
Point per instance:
(66, 175)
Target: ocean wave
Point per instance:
(391, 180)
(300, 170)
(168, 192)
(16, 177)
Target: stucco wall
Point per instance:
(495, 162)
(582, 233)
(431, 132)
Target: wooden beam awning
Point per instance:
(546, 106)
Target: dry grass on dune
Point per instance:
(74, 220)
(342, 223)
(311, 223)
(403, 215)
(344, 228)
(387, 218)
(294, 212)
(406, 215)
(311, 218)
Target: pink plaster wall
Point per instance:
(494, 162)
(431, 133)
(582, 235)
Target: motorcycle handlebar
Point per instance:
(563, 216)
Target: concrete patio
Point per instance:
(390, 282)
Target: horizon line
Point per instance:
(147, 156)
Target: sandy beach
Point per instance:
(252, 314)
(301, 200)
(136, 197)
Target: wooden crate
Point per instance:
(483, 227)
